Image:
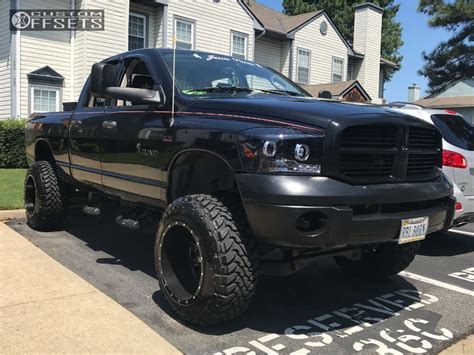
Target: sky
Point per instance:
(417, 37)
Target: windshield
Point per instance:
(455, 130)
(203, 74)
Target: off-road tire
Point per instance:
(229, 277)
(379, 263)
(49, 208)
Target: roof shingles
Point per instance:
(276, 21)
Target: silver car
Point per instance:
(458, 153)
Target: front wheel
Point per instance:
(380, 262)
(204, 264)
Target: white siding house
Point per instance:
(5, 61)
(40, 70)
(313, 52)
(213, 23)
(310, 38)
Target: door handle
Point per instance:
(109, 124)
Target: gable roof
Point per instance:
(447, 102)
(293, 22)
(337, 89)
(45, 74)
(276, 21)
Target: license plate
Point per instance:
(413, 229)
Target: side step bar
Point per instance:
(128, 223)
(91, 211)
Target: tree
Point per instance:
(453, 59)
(341, 13)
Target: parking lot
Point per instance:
(424, 310)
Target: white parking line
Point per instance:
(437, 283)
(461, 232)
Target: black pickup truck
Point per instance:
(245, 172)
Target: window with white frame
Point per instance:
(304, 59)
(44, 99)
(337, 69)
(184, 31)
(136, 31)
(238, 45)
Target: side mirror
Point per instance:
(103, 75)
(136, 95)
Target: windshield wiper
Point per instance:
(281, 92)
(220, 89)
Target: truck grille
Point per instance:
(389, 153)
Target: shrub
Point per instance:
(12, 144)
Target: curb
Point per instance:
(11, 214)
(464, 346)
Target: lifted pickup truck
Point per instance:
(247, 171)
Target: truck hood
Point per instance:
(308, 111)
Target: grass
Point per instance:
(11, 188)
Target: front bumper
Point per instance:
(347, 215)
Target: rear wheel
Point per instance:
(380, 262)
(203, 262)
(44, 202)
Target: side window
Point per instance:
(303, 68)
(184, 33)
(92, 101)
(238, 45)
(136, 31)
(136, 75)
(337, 69)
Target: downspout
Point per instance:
(164, 27)
(72, 43)
(261, 34)
(290, 64)
(15, 72)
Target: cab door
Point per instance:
(132, 134)
(84, 137)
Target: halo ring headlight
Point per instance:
(301, 152)
(269, 149)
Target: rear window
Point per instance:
(455, 130)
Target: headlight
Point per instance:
(277, 150)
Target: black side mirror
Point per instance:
(103, 75)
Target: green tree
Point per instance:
(341, 13)
(453, 59)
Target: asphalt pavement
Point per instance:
(318, 310)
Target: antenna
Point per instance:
(174, 79)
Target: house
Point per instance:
(457, 96)
(350, 90)
(310, 50)
(41, 70)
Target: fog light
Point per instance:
(458, 206)
(310, 222)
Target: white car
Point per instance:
(458, 153)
